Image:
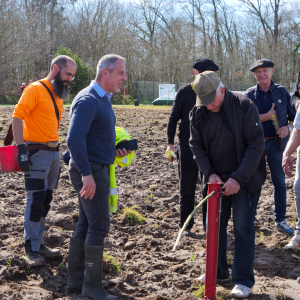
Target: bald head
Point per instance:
(61, 61)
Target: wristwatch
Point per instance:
(290, 128)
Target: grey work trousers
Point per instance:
(94, 219)
(40, 182)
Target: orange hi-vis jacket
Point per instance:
(36, 108)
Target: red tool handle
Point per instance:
(212, 237)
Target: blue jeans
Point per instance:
(274, 158)
(94, 219)
(243, 210)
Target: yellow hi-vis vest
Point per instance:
(121, 134)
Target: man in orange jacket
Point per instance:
(40, 107)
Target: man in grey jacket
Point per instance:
(227, 143)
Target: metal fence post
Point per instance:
(153, 91)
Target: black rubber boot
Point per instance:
(76, 265)
(92, 286)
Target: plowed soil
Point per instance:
(149, 268)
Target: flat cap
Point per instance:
(205, 86)
(262, 63)
(205, 64)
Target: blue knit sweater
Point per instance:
(91, 135)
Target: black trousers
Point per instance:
(188, 173)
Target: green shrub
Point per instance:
(9, 99)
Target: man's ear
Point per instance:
(105, 73)
(56, 69)
(223, 90)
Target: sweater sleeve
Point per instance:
(175, 116)
(82, 116)
(254, 137)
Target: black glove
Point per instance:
(23, 158)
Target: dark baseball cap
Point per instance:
(205, 86)
(262, 63)
(205, 64)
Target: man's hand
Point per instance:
(170, 147)
(23, 159)
(89, 187)
(231, 187)
(287, 164)
(268, 116)
(271, 112)
(122, 152)
(297, 105)
(283, 131)
(214, 178)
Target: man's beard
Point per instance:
(60, 90)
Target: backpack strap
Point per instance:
(53, 100)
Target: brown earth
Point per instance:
(150, 270)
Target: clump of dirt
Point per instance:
(149, 268)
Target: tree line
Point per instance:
(159, 38)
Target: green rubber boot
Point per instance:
(92, 286)
(76, 265)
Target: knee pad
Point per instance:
(47, 201)
(37, 206)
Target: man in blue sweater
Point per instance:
(91, 141)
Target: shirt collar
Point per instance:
(100, 91)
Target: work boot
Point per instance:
(48, 252)
(34, 259)
(76, 265)
(92, 286)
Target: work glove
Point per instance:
(23, 158)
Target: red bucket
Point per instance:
(8, 159)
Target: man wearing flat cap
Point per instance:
(227, 142)
(273, 99)
(188, 171)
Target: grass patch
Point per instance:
(150, 198)
(199, 290)
(261, 236)
(132, 216)
(8, 263)
(152, 188)
(113, 263)
(191, 258)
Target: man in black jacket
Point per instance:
(227, 143)
(187, 168)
